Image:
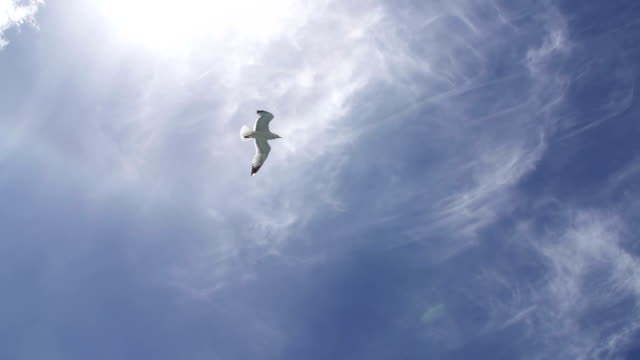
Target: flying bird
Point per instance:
(262, 134)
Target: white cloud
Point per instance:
(333, 75)
(489, 132)
(13, 13)
(488, 195)
(315, 90)
(309, 87)
(589, 271)
(572, 285)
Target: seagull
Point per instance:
(261, 133)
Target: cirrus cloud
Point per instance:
(14, 13)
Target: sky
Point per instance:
(456, 179)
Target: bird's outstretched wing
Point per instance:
(262, 151)
(262, 124)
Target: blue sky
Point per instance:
(456, 179)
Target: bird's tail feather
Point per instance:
(245, 132)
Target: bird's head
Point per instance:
(278, 136)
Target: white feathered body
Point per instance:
(247, 134)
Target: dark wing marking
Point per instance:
(262, 151)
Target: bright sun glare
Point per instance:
(175, 25)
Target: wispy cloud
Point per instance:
(590, 273)
(442, 84)
(309, 88)
(14, 13)
(166, 128)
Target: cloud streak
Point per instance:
(428, 197)
(15, 13)
(590, 272)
